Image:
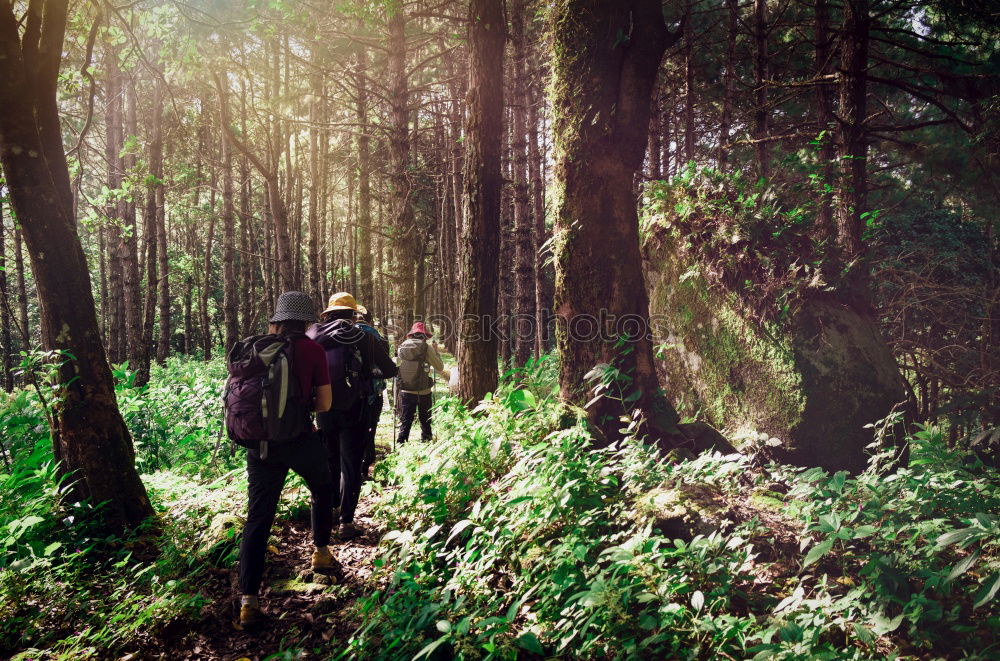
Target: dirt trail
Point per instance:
(306, 611)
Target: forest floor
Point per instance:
(305, 610)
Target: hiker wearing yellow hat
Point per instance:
(341, 301)
(354, 357)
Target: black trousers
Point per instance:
(371, 426)
(344, 433)
(307, 457)
(408, 405)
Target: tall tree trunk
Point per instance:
(506, 239)
(206, 274)
(761, 111)
(477, 358)
(163, 291)
(852, 193)
(729, 82)
(270, 294)
(314, 182)
(824, 116)
(90, 438)
(653, 147)
(6, 311)
(230, 302)
(524, 254)
(536, 168)
(135, 344)
(600, 131)
(154, 200)
(248, 270)
(690, 136)
(363, 141)
(113, 141)
(403, 233)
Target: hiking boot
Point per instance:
(323, 560)
(251, 616)
(349, 531)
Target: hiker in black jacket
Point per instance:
(352, 356)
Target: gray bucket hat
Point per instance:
(294, 306)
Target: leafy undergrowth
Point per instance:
(513, 538)
(509, 537)
(70, 591)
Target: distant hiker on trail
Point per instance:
(353, 356)
(375, 400)
(416, 355)
(275, 383)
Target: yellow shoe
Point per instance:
(251, 616)
(323, 560)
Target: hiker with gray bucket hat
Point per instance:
(276, 382)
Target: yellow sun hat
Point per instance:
(362, 309)
(341, 301)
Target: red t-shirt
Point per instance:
(310, 366)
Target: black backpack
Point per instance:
(262, 401)
(349, 380)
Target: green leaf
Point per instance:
(961, 567)
(529, 642)
(864, 531)
(953, 537)
(817, 552)
(988, 590)
(430, 647)
(882, 625)
(456, 529)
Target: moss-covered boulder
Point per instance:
(682, 511)
(813, 378)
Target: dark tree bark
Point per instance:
(536, 167)
(315, 287)
(6, 310)
(729, 83)
(206, 272)
(761, 112)
(602, 88)
(690, 135)
(506, 238)
(230, 299)
(115, 209)
(477, 358)
(154, 208)
(824, 114)
(89, 435)
(132, 299)
(524, 243)
(363, 141)
(653, 147)
(163, 290)
(403, 233)
(248, 269)
(852, 143)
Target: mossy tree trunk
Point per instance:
(524, 243)
(5, 312)
(89, 436)
(606, 57)
(477, 358)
